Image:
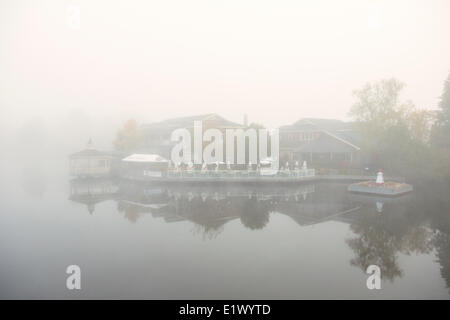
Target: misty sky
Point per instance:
(278, 61)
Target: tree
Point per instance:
(129, 137)
(441, 131)
(444, 104)
(378, 104)
(420, 124)
(256, 126)
(394, 133)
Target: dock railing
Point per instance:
(238, 174)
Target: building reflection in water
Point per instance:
(383, 228)
(92, 191)
(208, 208)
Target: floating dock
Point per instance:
(389, 189)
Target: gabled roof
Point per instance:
(187, 122)
(317, 124)
(327, 143)
(337, 129)
(89, 153)
(352, 136)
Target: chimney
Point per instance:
(245, 120)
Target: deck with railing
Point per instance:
(222, 175)
(253, 176)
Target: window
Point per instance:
(103, 163)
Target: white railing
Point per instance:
(299, 173)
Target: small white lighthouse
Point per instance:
(380, 179)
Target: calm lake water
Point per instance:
(173, 242)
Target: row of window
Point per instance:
(301, 136)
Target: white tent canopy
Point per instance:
(138, 157)
(267, 161)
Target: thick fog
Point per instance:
(80, 68)
(76, 70)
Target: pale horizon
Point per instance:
(154, 61)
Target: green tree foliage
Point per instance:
(420, 124)
(129, 138)
(444, 104)
(441, 131)
(378, 104)
(395, 134)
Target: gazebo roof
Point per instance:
(89, 153)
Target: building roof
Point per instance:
(187, 122)
(327, 143)
(89, 153)
(341, 131)
(317, 124)
(138, 157)
(352, 136)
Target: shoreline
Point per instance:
(245, 180)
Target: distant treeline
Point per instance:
(401, 138)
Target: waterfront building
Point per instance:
(91, 162)
(157, 136)
(321, 142)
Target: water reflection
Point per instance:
(381, 235)
(382, 228)
(93, 191)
